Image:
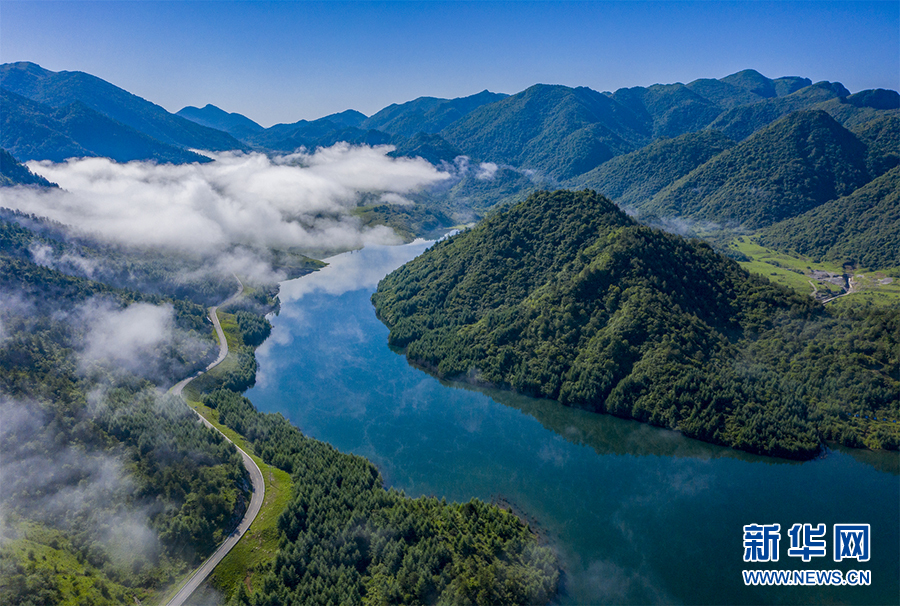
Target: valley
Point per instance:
(487, 349)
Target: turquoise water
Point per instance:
(637, 514)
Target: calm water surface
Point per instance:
(637, 514)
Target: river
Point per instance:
(637, 514)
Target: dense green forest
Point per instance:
(112, 489)
(344, 539)
(786, 169)
(860, 229)
(636, 177)
(565, 297)
(115, 490)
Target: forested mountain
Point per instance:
(632, 179)
(33, 131)
(324, 132)
(741, 122)
(794, 165)
(557, 130)
(671, 109)
(565, 297)
(745, 87)
(94, 456)
(426, 114)
(60, 89)
(543, 136)
(12, 172)
(232, 123)
(862, 228)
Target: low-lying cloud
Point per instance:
(303, 200)
(141, 340)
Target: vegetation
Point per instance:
(634, 178)
(132, 467)
(95, 458)
(61, 89)
(859, 229)
(565, 297)
(788, 168)
(14, 173)
(33, 131)
(344, 539)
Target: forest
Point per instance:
(114, 490)
(563, 296)
(345, 539)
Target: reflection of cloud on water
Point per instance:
(554, 453)
(613, 584)
(353, 270)
(344, 273)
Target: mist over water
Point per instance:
(637, 514)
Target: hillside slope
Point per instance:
(59, 89)
(633, 179)
(556, 130)
(33, 131)
(565, 297)
(862, 228)
(796, 164)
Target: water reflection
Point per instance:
(609, 435)
(638, 514)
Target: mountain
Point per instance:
(33, 131)
(12, 172)
(634, 178)
(741, 122)
(426, 114)
(861, 228)
(784, 170)
(324, 132)
(671, 109)
(234, 124)
(433, 148)
(60, 89)
(555, 130)
(882, 139)
(565, 297)
(745, 87)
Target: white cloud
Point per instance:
(486, 171)
(298, 201)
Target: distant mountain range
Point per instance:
(744, 150)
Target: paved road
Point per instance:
(256, 478)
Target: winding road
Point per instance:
(256, 477)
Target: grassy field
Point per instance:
(54, 573)
(870, 288)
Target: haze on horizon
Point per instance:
(286, 61)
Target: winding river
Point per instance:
(637, 514)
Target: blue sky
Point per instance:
(286, 61)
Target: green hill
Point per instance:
(861, 228)
(60, 89)
(12, 172)
(673, 109)
(882, 139)
(565, 297)
(634, 178)
(742, 121)
(426, 114)
(235, 124)
(33, 131)
(555, 130)
(784, 170)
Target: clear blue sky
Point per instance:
(286, 61)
